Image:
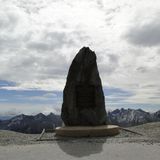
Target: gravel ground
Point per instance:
(150, 131)
(126, 145)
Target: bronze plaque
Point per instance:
(85, 96)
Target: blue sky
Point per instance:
(32, 101)
(39, 39)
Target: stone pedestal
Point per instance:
(87, 131)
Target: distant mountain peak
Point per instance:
(130, 117)
(31, 124)
(51, 114)
(35, 124)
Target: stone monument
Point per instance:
(83, 98)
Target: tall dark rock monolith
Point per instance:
(83, 98)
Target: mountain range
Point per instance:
(31, 124)
(35, 124)
(131, 117)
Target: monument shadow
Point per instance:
(82, 147)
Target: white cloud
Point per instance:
(39, 39)
(145, 31)
(28, 108)
(48, 110)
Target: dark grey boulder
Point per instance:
(83, 98)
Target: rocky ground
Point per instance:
(126, 145)
(150, 131)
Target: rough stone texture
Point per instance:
(83, 98)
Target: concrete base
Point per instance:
(87, 131)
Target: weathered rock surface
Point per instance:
(83, 98)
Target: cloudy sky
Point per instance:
(39, 39)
